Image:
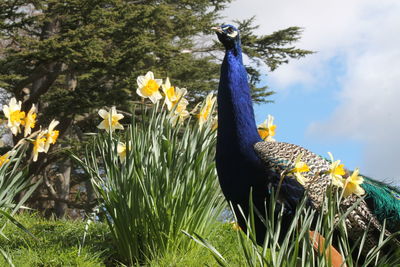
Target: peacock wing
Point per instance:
(281, 157)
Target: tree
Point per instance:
(71, 57)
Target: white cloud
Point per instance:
(365, 34)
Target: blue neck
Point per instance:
(236, 124)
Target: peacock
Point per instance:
(246, 163)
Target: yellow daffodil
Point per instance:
(267, 129)
(148, 87)
(29, 121)
(121, 150)
(4, 159)
(172, 94)
(15, 116)
(300, 167)
(38, 145)
(206, 109)
(336, 172)
(51, 135)
(352, 184)
(235, 226)
(110, 120)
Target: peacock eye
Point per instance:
(229, 30)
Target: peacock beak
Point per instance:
(217, 29)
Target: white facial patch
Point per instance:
(233, 34)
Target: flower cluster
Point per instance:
(350, 184)
(16, 118)
(174, 101)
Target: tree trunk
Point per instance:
(63, 188)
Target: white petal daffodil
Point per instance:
(15, 116)
(267, 129)
(206, 109)
(172, 94)
(29, 121)
(38, 145)
(180, 114)
(121, 150)
(148, 87)
(51, 135)
(110, 120)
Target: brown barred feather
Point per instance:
(280, 156)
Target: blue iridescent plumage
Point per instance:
(239, 167)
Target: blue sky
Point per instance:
(344, 98)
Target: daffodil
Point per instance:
(38, 145)
(300, 167)
(4, 159)
(51, 135)
(121, 150)
(180, 113)
(352, 184)
(206, 109)
(15, 116)
(267, 129)
(110, 120)
(336, 172)
(235, 226)
(172, 94)
(148, 87)
(29, 121)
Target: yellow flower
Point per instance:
(121, 150)
(352, 184)
(51, 135)
(148, 87)
(235, 226)
(110, 120)
(299, 167)
(206, 109)
(336, 172)
(172, 94)
(267, 129)
(4, 159)
(29, 121)
(15, 116)
(38, 145)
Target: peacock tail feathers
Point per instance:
(384, 202)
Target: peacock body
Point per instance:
(245, 163)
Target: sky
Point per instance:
(344, 98)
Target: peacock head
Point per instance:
(228, 35)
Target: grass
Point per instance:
(59, 242)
